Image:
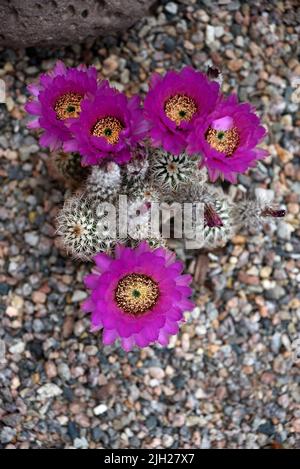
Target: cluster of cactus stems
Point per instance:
(139, 174)
(152, 177)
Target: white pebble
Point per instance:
(100, 409)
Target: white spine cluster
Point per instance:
(170, 173)
(104, 182)
(82, 228)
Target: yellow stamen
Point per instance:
(108, 128)
(225, 141)
(136, 294)
(180, 108)
(68, 105)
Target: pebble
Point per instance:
(32, 239)
(51, 370)
(48, 391)
(156, 373)
(284, 230)
(100, 409)
(7, 435)
(78, 296)
(81, 443)
(39, 297)
(172, 8)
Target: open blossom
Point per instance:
(139, 297)
(109, 127)
(173, 104)
(227, 139)
(57, 102)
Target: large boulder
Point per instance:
(25, 23)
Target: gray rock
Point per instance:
(65, 22)
(7, 435)
(172, 8)
(49, 390)
(32, 239)
(81, 443)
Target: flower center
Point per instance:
(136, 294)
(225, 141)
(180, 108)
(108, 128)
(172, 168)
(77, 230)
(68, 105)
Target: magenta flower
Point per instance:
(109, 127)
(173, 104)
(228, 139)
(139, 297)
(57, 102)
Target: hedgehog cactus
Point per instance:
(138, 170)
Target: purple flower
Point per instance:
(139, 297)
(109, 127)
(57, 102)
(173, 104)
(228, 139)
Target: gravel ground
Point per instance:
(231, 377)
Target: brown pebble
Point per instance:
(67, 328)
(51, 370)
(39, 297)
(248, 279)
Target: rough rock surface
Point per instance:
(64, 22)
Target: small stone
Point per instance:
(151, 422)
(185, 340)
(296, 425)
(167, 441)
(110, 65)
(200, 394)
(7, 435)
(73, 430)
(64, 371)
(156, 372)
(171, 8)
(235, 65)
(32, 239)
(284, 230)
(248, 279)
(18, 348)
(51, 370)
(81, 443)
(265, 195)
(68, 326)
(265, 272)
(38, 325)
(276, 342)
(39, 297)
(48, 391)
(79, 328)
(267, 428)
(4, 289)
(284, 401)
(169, 45)
(78, 296)
(275, 293)
(210, 34)
(100, 409)
(2, 351)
